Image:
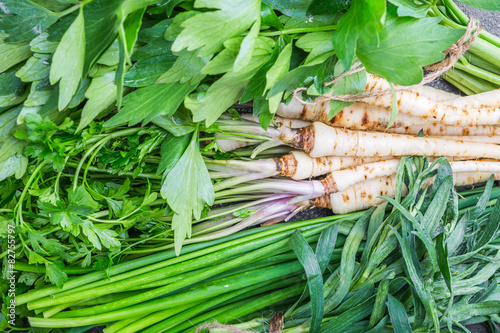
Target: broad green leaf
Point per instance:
(308, 260)
(68, 61)
(187, 68)
(407, 44)
(152, 34)
(223, 62)
(303, 76)
(10, 146)
(101, 94)
(80, 94)
(175, 28)
(127, 38)
(14, 165)
(57, 30)
(156, 47)
(359, 26)
(12, 90)
(398, 315)
(319, 7)
(178, 124)
(247, 45)
(225, 92)
(274, 103)
(110, 57)
(483, 4)
(147, 103)
(171, 152)
(12, 54)
(146, 72)
(290, 8)
(8, 122)
(257, 84)
(412, 8)
(34, 69)
(269, 17)
(101, 28)
(130, 6)
(25, 20)
(317, 44)
(208, 31)
(261, 109)
(40, 44)
(280, 67)
(191, 175)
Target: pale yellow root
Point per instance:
(356, 116)
(340, 180)
(413, 103)
(308, 167)
(482, 100)
(440, 129)
(478, 138)
(435, 94)
(322, 140)
(365, 195)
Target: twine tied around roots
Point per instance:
(275, 325)
(453, 53)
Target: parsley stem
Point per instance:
(298, 31)
(126, 132)
(19, 206)
(125, 174)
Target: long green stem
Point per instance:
(298, 31)
(126, 310)
(479, 72)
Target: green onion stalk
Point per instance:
(259, 269)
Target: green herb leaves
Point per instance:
(187, 188)
(208, 31)
(407, 44)
(25, 20)
(359, 26)
(149, 102)
(68, 61)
